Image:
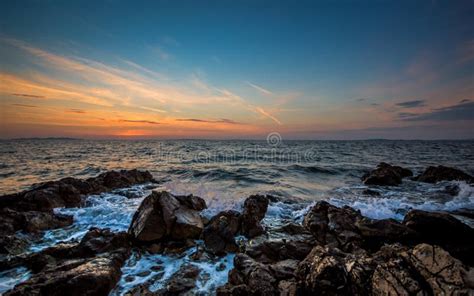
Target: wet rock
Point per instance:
(183, 280)
(192, 202)
(255, 208)
(333, 226)
(442, 173)
(249, 277)
(386, 174)
(12, 245)
(161, 216)
(280, 246)
(31, 210)
(95, 276)
(444, 230)
(288, 288)
(219, 233)
(370, 192)
(346, 229)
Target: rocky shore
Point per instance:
(334, 251)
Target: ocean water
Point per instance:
(224, 173)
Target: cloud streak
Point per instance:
(411, 104)
(463, 111)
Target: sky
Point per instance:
(237, 69)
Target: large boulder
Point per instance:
(255, 208)
(162, 216)
(444, 230)
(442, 173)
(386, 174)
(219, 233)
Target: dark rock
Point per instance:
(441, 173)
(370, 192)
(12, 245)
(284, 269)
(323, 272)
(444, 230)
(386, 174)
(192, 202)
(219, 233)
(255, 208)
(20, 211)
(183, 280)
(161, 216)
(94, 276)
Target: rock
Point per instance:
(183, 280)
(442, 173)
(386, 174)
(285, 269)
(444, 230)
(376, 233)
(12, 221)
(161, 216)
(21, 211)
(323, 272)
(249, 277)
(192, 202)
(95, 276)
(280, 246)
(219, 233)
(12, 245)
(370, 192)
(333, 226)
(423, 270)
(255, 208)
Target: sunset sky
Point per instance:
(237, 69)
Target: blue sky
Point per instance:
(240, 69)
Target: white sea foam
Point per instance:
(10, 278)
(156, 269)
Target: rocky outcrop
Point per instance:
(163, 216)
(444, 230)
(386, 174)
(32, 210)
(442, 173)
(90, 267)
(255, 208)
(219, 233)
(423, 270)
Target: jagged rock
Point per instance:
(386, 174)
(183, 280)
(31, 210)
(249, 277)
(444, 230)
(92, 276)
(161, 216)
(442, 173)
(323, 272)
(255, 208)
(423, 270)
(346, 229)
(219, 233)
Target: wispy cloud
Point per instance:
(259, 88)
(25, 105)
(463, 111)
(411, 104)
(223, 120)
(79, 111)
(28, 96)
(161, 53)
(140, 121)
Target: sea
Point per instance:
(224, 173)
